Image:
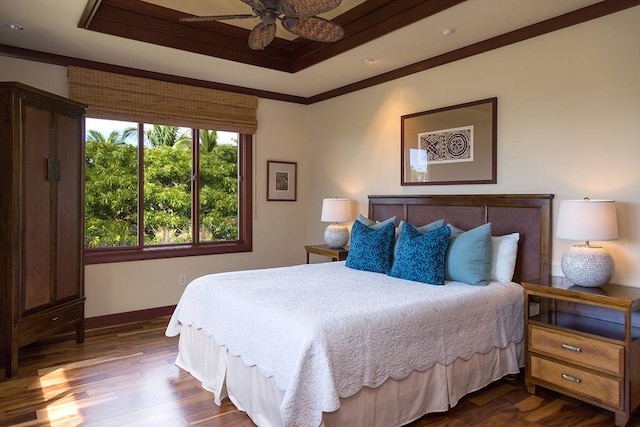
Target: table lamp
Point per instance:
(587, 220)
(336, 210)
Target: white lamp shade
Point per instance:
(336, 210)
(587, 220)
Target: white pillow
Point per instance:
(505, 249)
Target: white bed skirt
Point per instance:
(394, 403)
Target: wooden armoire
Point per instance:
(41, 218)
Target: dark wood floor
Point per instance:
(125, 376)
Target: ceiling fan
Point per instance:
(296, 16)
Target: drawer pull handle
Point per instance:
(570, 378)
(54, 319)
(571, 348)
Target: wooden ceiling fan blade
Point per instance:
(216, 17)
(314, 28)
(307, 8)
(261, 35)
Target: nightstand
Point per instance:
(585, 343)
(339, 254)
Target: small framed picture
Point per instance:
(281, 181)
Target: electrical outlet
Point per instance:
(182, 280)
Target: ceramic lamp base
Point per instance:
(587, 266)
(336, 236)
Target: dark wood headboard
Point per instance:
(527, 214)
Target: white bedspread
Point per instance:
(324, 331)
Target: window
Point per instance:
(157, 191)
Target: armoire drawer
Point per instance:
(47, 322)
(593, 353)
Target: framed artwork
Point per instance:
(450, 145)
(281, 181)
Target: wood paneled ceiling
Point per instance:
(150, 21)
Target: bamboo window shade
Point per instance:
(115, 96)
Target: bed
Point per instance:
(326, 344)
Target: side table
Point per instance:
(585, 343)
(339, 254)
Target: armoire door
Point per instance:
(69, 191)
(36, 216)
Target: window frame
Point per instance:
(244, 243)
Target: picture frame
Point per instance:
(450, 145)
(282, 181)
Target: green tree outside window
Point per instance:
(111, 186)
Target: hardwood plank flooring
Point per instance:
(125, 376)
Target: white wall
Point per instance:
(568, 124)
(50, 78)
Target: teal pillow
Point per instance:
(469, 255)
(421, 257)
(422, 230)
(371, 249)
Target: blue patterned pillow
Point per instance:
(420, 257)
(422, 230)
(469, 255)
(371, 249)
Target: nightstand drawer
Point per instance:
(599, 387)
(596, 354)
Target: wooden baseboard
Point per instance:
(130, 316)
